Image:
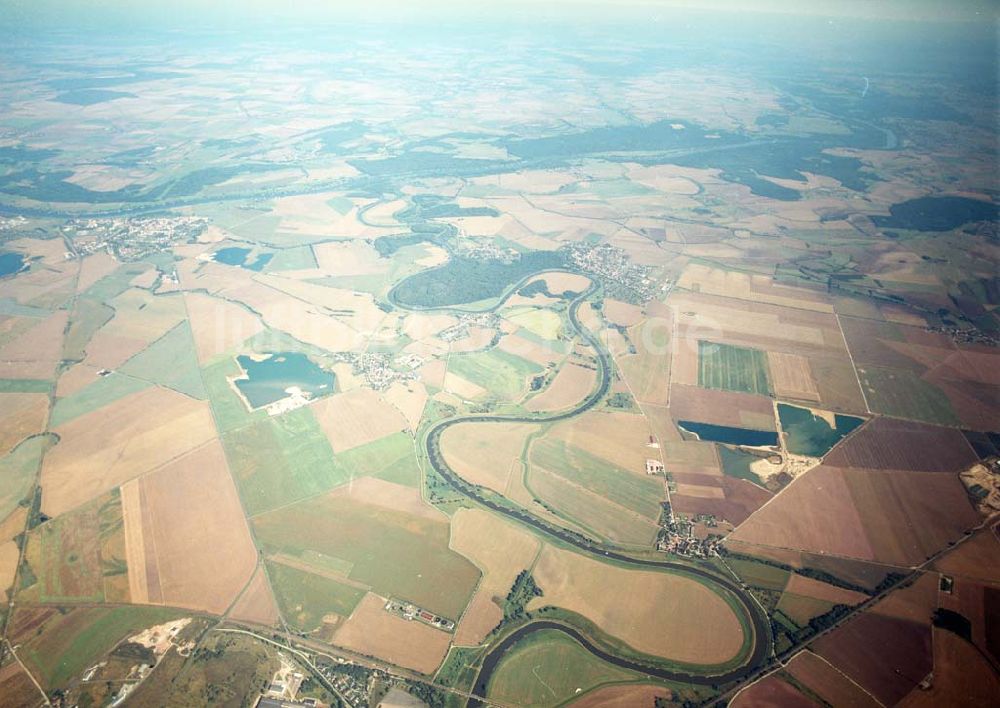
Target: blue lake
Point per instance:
(267, 379)
(10, 263)
(730, 436)
(236, 256)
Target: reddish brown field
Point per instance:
(771, 692)
(887, 649)
(889, 444)
(93, 268)
(195, 543)
(808, 587)
(815, 512)
(962, 676)
(16, 688)
(865, 514)
(257, 603)
(740, 498)
(909, 516)
(727, 408)
(625, 696)
(373, 631)
(977, 558)
(828, 683)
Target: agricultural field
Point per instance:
(701, 358)
(660, 622)
(549, 668)
(389, 538)
(732, 368)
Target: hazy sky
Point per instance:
(63, 12)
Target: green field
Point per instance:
(901, 393)
(305, 598)
(88, 316)
(25, 386)
(500, 373)
(71, 640)
(729, 368)
(17, 471)
(808, 434)
(393, 458)
(229, 410)
(104, 390)
(736, 463)
(541, 321)
(394, 552)
(170, 361)
(279, 460)
(760, 575)
(548, 668)
(297, 258)
(594, 514)
(79, 556)
(640, 494)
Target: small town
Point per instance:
(623, 279)
(134, 238)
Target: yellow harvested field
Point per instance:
(339, 258)
(665, 615)
(418, 326)
(76, 378)
(10, 553)
(373, 631)
(527, 349)
(620, 438)
(41, 343)
(191, 533)
(257, 605)
(462, 387)
(102, 449)
(219, 326)
(561, 282)
(107, 351)
(357, 417)
(21, 415)
(622, 313)
(485, 453)
(434, 373)
(713, 281)
(684, 364)
(570, 385)
(356, 310)
(93, 268)
(142, 316)
(500, 550)
(791, 376)
(409, 398)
